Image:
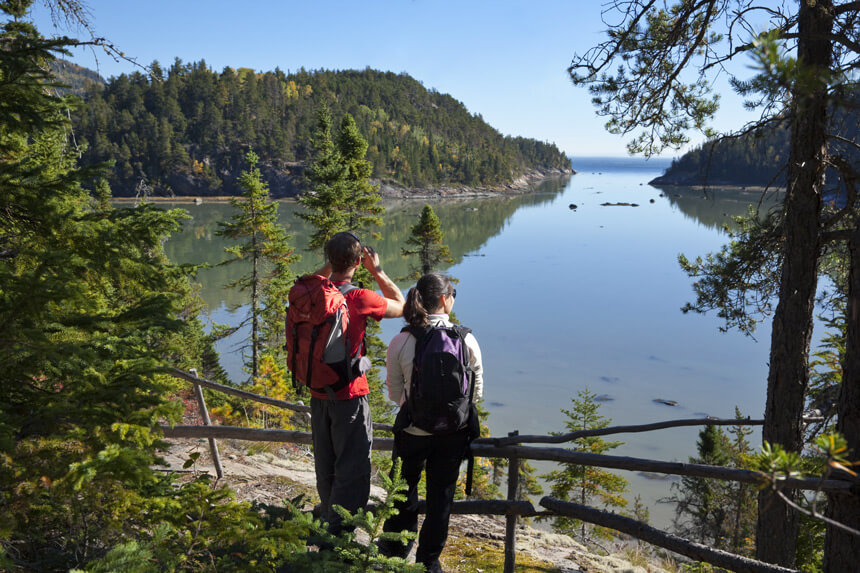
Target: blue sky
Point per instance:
(505, 60)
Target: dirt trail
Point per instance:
(266, 476)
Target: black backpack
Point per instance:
(441, 389)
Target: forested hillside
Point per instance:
(756, 159)
(186, 129)
(77, 79)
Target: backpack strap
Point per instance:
(347, 287)
(462, 331)
(344, 289)
(296, 384)
(420, 334)
(332, 389)
(313, 343)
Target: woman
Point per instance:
(427, 304)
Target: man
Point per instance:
(342, 431)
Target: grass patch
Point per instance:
(466, 555)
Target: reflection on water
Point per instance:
(716, 206)
(563, 299)
(468, 224)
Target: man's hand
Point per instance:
(392, 294)
(370, 258)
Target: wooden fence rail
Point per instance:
(639, 530)
(508, 447)
(563, 438)
(301, 408)
(524, 452)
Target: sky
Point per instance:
(505, 60)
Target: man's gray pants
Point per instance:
(342, 436)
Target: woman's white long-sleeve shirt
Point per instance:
(401, 353)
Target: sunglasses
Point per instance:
(353, 235)
(453, 293)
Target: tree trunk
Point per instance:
(776, 533)
(255, 304)
(842, 549)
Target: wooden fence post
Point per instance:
(204, 413)
(511, 518)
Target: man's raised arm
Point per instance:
(392, 294)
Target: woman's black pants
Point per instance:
(441, 456)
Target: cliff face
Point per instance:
(287, 181)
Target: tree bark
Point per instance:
(841, 549)
(255, 300)
(776, 532)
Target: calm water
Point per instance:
(563, 299)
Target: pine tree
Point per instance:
(426, 238)
(88, 308)
(363, 209)
(720, 514)
(266, 247)
(90, 311)
(702, 510)
(580, 483)
(653, 75)
(744, 501)
(328, 176)
(338, 176)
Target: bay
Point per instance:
(562, 299)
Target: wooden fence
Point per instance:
(510, 447)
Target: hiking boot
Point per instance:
(434, 567)
(394, 548)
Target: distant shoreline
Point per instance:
(519, 186)
(711, 186)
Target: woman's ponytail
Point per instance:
(425, 293)
(413, 310)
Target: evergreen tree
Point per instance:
(652, 74)
(266, 247)
(426, 238)
(338, 176)
(89, 311)
(742, 518)
(328, 176)
(701, 511)
(718, 513)
(363, 209)
(580, 483)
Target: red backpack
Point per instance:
(316, 331)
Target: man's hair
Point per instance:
(342, 251)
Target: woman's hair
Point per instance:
(427, 292)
